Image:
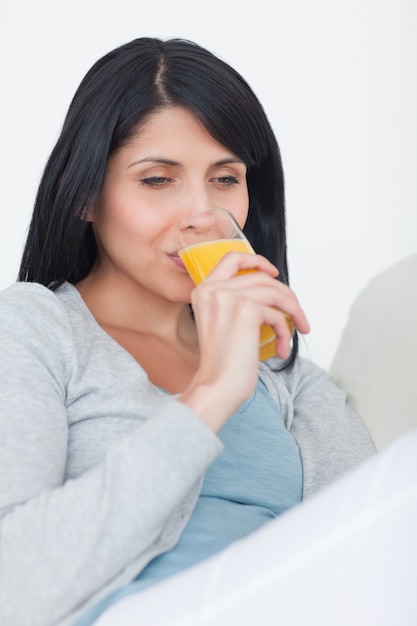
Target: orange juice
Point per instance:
(200, 258)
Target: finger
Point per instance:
(265, 290)
(283, 331)
(279, 296)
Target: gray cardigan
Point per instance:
(100, 470)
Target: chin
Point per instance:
(180, 293)
(183, 300)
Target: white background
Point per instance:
(338, 80)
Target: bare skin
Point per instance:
(139, 291)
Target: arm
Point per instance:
(61, 542)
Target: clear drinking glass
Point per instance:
(203, 239)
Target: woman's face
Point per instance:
(171, 168)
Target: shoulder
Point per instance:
(20, 295)
(31, 305)
(292, 381)
(306, 386)
(34, 322)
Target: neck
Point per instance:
(122, 304)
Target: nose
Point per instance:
(194, 198)
(209, 225)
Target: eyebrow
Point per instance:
(163, 161)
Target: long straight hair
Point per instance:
(118, 93)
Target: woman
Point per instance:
(136, 426)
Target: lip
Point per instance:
(175, 259)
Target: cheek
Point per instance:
(123, 217)
(241, 211)
(241, 218)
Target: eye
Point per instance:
(155, 181)
(227, 181)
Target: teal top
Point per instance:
(258, 476)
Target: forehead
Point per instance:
(169, 116)
(174, 133)
(171, 124)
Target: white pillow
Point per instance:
(376, 361)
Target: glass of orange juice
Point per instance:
(203, 239)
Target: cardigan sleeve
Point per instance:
(331, 436)
(62, 541)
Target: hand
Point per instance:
(230, 305)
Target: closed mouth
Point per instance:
(174, 256)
